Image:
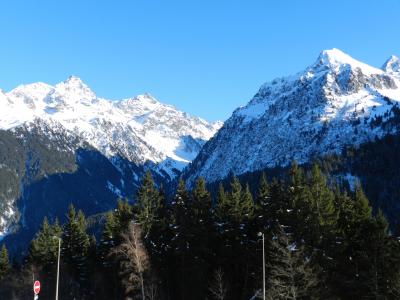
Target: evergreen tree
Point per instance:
(158, 244)
(4, 263)
(240, 203)
(290, 276)
(322, 200)
(180, 234)
(300, 217)
(237, 236)
(201, 221)
(147, 204)
(263, 203)
(280, 205)
(351, 277)
(201, 237)
(262, 198)
(157, 240)
(43, 249)
(376, 261)
(362, 210)
(201, 200)
(221, 205)
(107, 240)
(123, 215)
(109, 265)
(75, 245)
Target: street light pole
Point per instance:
(58, 266)
(263, 246)
(263, 237)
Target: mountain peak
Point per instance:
(73, 80)
(334, 55)
(335, 59)
(147, 97)
(75, 88)
(392, 65)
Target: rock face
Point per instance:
(336, 101)
(63, 144)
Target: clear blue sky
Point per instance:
(206, 57)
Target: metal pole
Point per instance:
(58, 267)
(33, 283)
(263, 266)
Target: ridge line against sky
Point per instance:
(206, 57)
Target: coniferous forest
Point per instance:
(321, 242)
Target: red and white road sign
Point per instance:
(36, 287)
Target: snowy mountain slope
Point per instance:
(61, 144)
(334, 102)
(140, 129)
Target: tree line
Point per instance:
(321, 242)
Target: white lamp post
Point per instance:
(58, 264)
(263, 241)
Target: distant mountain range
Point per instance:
(140, 129)
(62, 144)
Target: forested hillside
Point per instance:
(322, 242)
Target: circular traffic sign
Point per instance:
(36, 287)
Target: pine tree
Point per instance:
(322, 200)
(351, 277)
(148, 204)
(201, 237)
(300, 217)
(263, 203)
(234, 198)
(180, 206)
(4, 263)
(180, 242)
(290, 276)
(108, 263)
(377, 265)
(201, 221)
(158, 244)
(43, 250)
(221, 205)
(362, 210)
(280, 205)
(123, 215)
(201, 200)
(263, 192)
(240, 202)
(107, 240)
(75, 245)
(237, 236)
(247, 203)
(157, 239)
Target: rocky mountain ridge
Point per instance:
(334, 102)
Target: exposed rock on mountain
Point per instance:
(336, 101)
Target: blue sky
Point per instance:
(205, 57)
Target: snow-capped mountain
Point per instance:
(62, 144)
(140, 129)
(336, 101)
